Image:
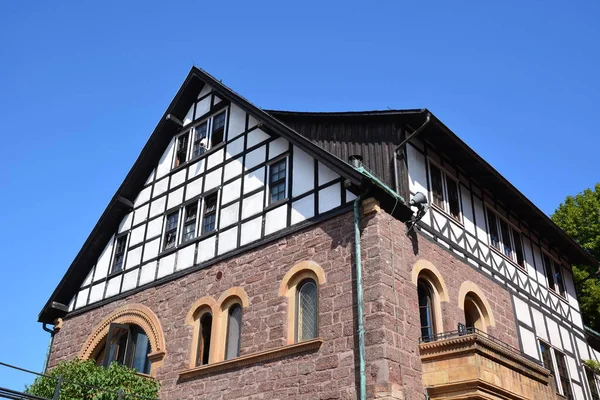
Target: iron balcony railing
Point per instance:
(463, 330)
(60, 385)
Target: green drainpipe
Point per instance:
(359, 299)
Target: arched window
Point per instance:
(205, 330)
(426, 316)
(126, 345)
(473, 314)
(234, 332)
(307, 311)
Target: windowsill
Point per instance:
(198, 158)
(276, 204)
(248, 359)
(447, 215)
(495, 250)
(560, 296)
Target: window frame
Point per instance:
(559, 289)
(299, 286)
(592, 380)
(512, 228)
(130, 347)
(445, 175)
(426, 285)
(176, 229)
(114, 253)
(558, 378)
(277, 160)
(217, 195)
(197, 203)
(239, 331)
(200, 354)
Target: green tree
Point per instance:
(85, 380)
(579, 216)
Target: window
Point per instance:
(505, 238)
(444, 191)
(306, 314)
(473, 317)
(563, 374)
(546, 356)
(209, 222)
(202, 355)
(126, 345)
(171, 230)
(592, 383)
(218, 129)
(200, 139)
(234, 332)
(119, 255)
(189, 223)
(425, 310)
(182, 148)
(554, 275)
(277, 186)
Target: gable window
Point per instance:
(126, 345)
(218, 129)
(119, 256)
(592, 383)
(209, 222)
(425, 310)
(306, 314)
(444, 191)
(277, 181)
(505, 238)
(181, 150)
(554, 275)
(200, 132)
(171, 230)
(234, 332)
(202, 355)
(189, 223)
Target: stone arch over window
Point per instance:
(201, 317)
(298, 284)
(472, 301)
(136, 315)
(431, 292)
(231, 305)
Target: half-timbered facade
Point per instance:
(225, 264)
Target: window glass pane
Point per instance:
(200, 139)
(593, 383)
(116, 344)
(307, 311)
(563, 374)
(277, 172)
(518, 247)
(425, 311)
(210, 214)
(119, 255)
(493, 228)
(172, 221)
(142, 348)
(437, 188)
(558, 277)
(180, 156)
(546, 357)
(218, 129)
(506, 244)
(204, 339)
(453, 200)
(234, 332)
(549, 272)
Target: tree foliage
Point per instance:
(579, 216)
(85, 380)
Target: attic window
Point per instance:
(119, 255)
(171, 230)
(444, 191)
(182, 148)
(277, 181)
(209, 222)
(218, 129)
(189, 224)
(200, 132)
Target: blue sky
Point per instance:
(83, 85)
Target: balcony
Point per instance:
(470, 364)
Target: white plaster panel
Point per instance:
(154, 227)
(137, 235)
(151, 249)
(522, 311)
(130, 280)
(229, 215)
(252, 122)
(480, 220)
(529, 342)
(147, 273)
(234, 148)
(134, 257)
(113, 286)
(584, 352)
(326, 175)
(566, 339)
(255, 157)
(302, 172)
(166, 266)
(196, 169)
(150, 177)
(232, 169)
(329, 198)
(205, 90)
(140, 215)
(277, 147)
(213, 179)
(104, 261)
(160, 187)
(303, 209)
(276, 219)
(189, 117)
(143, 196)
(164, 165)
(177, 179)
(216, 99)
(251, 231)
(82, 298)
(570, 287)
(252, 205)
(228, 240)
(350, 196)
(467, 210)
(206, 249)
(553, 332)
(417, 175)
(540, 325)
(539, 266)
(237, 121)
(193, 189)
(231, 191)
(529, 258)
(72, 304)
(254, 180)
(255, 137)
(202, 107)
(578, 392)
(126, 223)
(97, 292)
(215, 159)
(175, 198)
(88, 278)
(185, 257)
(576, 319)
(572, 367)
(157, 207)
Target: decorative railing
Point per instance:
(60, 385)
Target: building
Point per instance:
(225, 264)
